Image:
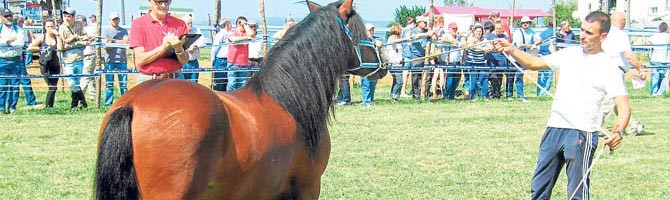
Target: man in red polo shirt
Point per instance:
(152, 35)
(238, 54)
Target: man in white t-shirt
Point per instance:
(587, 77)
(88, 84)
(617, 46)
(219, 55)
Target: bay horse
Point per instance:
(172, 139)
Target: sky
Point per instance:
(374, 10)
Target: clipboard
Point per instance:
(190, 39)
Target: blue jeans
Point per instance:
(368, 90)
(452, 81)
(479, 81)
(545, 78)
(397, 85)
(514, 78)
(9, 88)
(109, 81)
(191, 76)
(657, 86)
(220, 77)
(26, 85)
(71, 69)
(236, 79)
(344, 95)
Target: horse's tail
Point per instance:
(115, 174)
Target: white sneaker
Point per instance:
(342, 103)
(639, 128)
(524, 100)
(36, 106)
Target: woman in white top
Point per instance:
(394, 55)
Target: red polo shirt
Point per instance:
(238, 54)
(147, 32)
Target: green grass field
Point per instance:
(409, 150)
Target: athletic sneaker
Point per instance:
(639, 129)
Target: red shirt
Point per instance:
(238, 54)
(147, 32)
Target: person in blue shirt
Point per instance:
(497, 61)
(368, 86)
(565, 35)
(417, 49)
(545, 77)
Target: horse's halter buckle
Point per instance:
(357, 48)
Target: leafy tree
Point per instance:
(458, 3)
(564, 9)
(402, 13)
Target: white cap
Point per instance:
(369, 26)
(69, 11)
(525, 19)
(421, 19)
(114, 15)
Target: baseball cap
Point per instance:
(421, 19)
(113, 15)
(7, 12)
(69, 11)
(369, 26)
(252, 22)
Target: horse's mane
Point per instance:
(301, 71)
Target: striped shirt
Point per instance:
(476, 56)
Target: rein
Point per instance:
(357, 48)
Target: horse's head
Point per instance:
(366, 59)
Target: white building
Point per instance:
(640, 12)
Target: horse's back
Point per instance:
(178, 134)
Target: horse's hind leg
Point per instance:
(175, 167)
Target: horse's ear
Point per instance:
(312, 6)
(345, 9)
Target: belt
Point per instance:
(171, 75)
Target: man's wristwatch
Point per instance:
(180, 53)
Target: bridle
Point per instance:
(357, 48)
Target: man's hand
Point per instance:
(11, 39)
(642, 75)
(502, 45)
(192, 48)
(174, 41)
(613, 140)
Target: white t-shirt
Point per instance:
(584, 81)
(90, 30)
(615, 44)
(660, 53)
(220, 40)
(256, 48)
